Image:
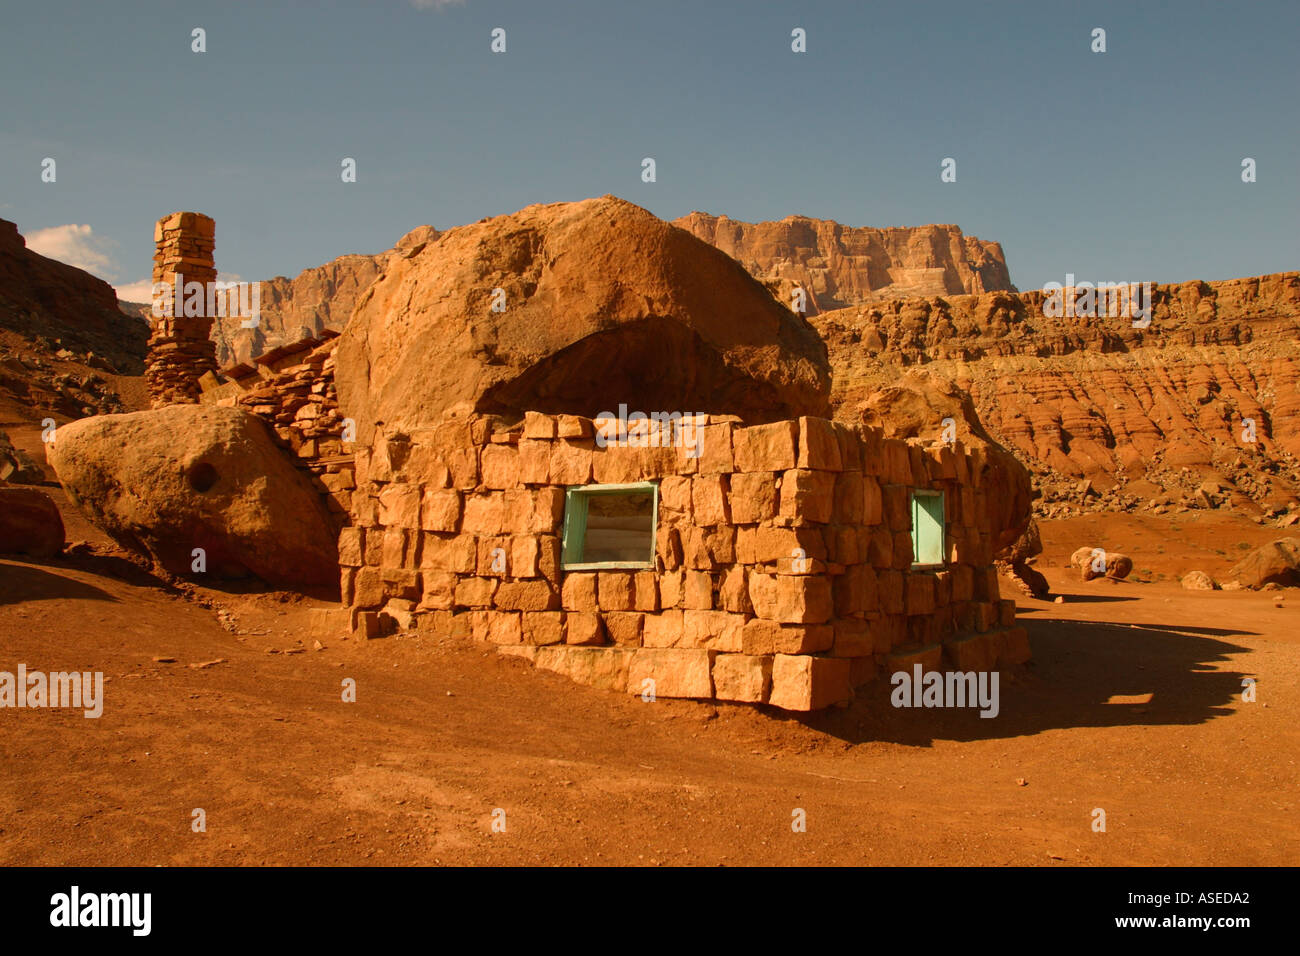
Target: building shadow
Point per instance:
(1083, 674)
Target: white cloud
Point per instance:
(77, 246)
(140, 291)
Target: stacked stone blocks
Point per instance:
(783, 556)
(180, 348)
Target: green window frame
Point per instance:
(928, 545)
(576, 502)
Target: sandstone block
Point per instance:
(713, 630)
(819, 445)
(807, 495)
(752, 497)
(504, 627)
(790, 599)
(766, 447)
(742, 677)
(525, 596)
(583, 627)
(768, 637)
(930, 657)
(709, 500)
(671, 672)
(439, 510)
(485, 513)
(803, 683)
(616, 591)
(570, 463)
(543, 627)
(665, 629)
(351, 547)
(579, 592)
(605, 668)
(475, 592)
(624, 627)
(698, 590)
(399, 506)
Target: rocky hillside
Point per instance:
(840, 266)
(65, 347)
(318, 298)
(1104, 414)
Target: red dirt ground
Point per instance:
(1132, 704)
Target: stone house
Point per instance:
(783, 563)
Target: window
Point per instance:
(610, 526)
(927, 528)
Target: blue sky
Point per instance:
(1115, 166)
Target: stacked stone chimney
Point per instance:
(181, 349)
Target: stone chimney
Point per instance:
(181, 349)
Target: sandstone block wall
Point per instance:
(180, 350)
(783, 557)
(300, 405)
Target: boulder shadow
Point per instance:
(1083, 674)
(23, 582)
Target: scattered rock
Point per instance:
(1199, 581)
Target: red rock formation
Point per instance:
(1100, 410)
(840, 265)
(316, 299)
(45, 299)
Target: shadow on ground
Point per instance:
(26, 581)
(1080, 674)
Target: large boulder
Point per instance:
(604, 304)
(165, 482)
(1277, 562)
(29, 523)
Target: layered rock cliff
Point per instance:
(1103, 413)
(65, 348)
(840, 266)
(316, 299)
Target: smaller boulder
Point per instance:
(1277, 562)
(1199, 581)
(29, 523)
(1097, 562)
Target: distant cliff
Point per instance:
(316, 299)
(1097, 409)
(840, 266)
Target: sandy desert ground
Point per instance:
(219, 700)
